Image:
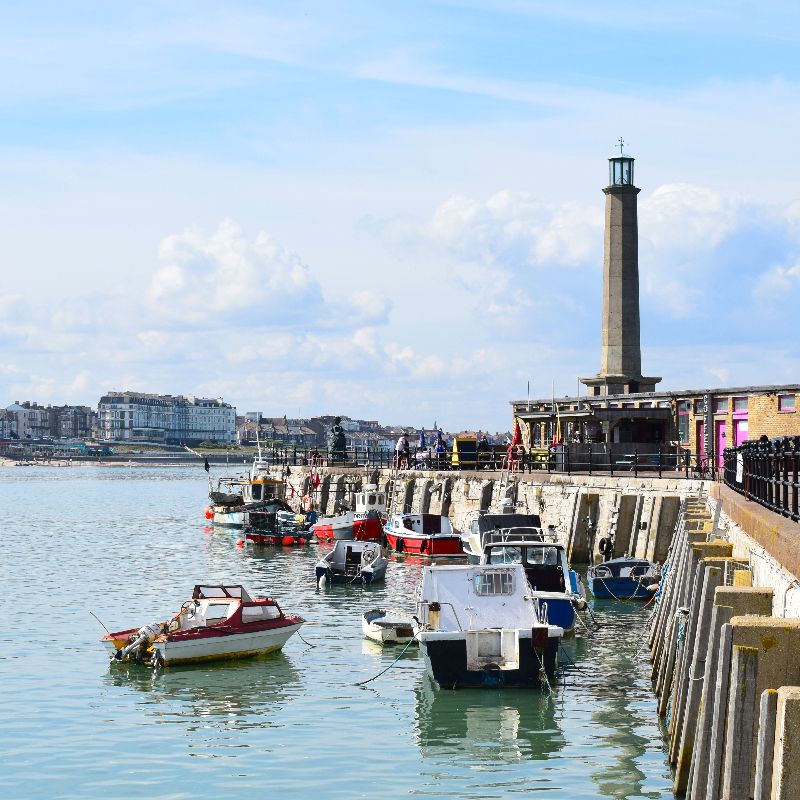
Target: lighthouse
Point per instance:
(620, 348)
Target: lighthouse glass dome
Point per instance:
(620, 171)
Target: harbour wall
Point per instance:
(639, 514)
(725, 650)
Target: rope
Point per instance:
(374, 677)
(300, 635)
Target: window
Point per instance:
(720, 405)
(698, 406)
(684, 406)
(493, 582)
(786, 402)
(505, 555)
(537, 556)
(740, 403)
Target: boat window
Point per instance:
(256, 491)
(371, 500)
(493, 582)
(217, 612)
(259, 613)
(212, 591)
(505, 555)
(547, 556)
(474, 527)
(381, 499)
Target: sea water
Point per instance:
(129, 544)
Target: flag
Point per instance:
(557, 432)
(316, 481)
(207, 466)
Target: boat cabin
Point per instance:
(545, 563)
(214, 605)
(624, 568)
(371, 499)
(424, 524)
(468, 598)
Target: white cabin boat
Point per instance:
(479, 626)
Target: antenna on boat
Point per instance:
(101, 622)
(258, 444)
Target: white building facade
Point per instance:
(164, 419)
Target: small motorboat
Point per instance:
(479, 626)
(219, 621)
(423, 534)
(281, 528)
(365, 523)
(352, 562)
(623, 579)
(387, 627)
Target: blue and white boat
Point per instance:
(352, 562)
(479, 626)
(557, 588)
(623, 579)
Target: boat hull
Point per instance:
(394, 632)
(234, 645)
(360, 530)
(228, 519)
(618, 589)
(446, 662)
(560, 612)
(366, 577)
(436, 545)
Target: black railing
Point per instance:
(645, 460)
(766, 471)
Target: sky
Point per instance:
(389, 210)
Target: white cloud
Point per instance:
(229, 274)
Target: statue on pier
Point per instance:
(336, 441)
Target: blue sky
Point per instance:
(389, 210)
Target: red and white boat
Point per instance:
(363, 524)
(426, 534)
(220, 621)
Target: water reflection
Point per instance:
(247, 690)
(485, 726)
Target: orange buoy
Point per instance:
(209, 512)
(287, 540)
(240, 542)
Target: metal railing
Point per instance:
(766, 471)
(645, 460)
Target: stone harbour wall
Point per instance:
(638, 513)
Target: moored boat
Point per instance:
(364, 524)
(479, 626)
(352, 562)
(623, 579)
(556, 586)
(387, 627)
(423, 534)
(219, 621)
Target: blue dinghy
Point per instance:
(623, 579)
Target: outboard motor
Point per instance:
(142, 639)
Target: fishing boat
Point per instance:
(387, 627)
(556, 586)
(247, 500)
(364, 524)
(623, 579)
(352, 562)
(424, 534)
(219, 621)
(479, 626)
(496, 527)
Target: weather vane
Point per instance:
(621, 144)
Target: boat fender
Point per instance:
(579, 603)
(209, 512)
(653, 587)
(322, 582)
(287, 540)
(605, 546)
(240, 542)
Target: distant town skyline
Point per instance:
(390, 212)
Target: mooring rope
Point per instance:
(369, 680)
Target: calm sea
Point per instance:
(129, 544)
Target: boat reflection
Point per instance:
(245, 691)
(485, 726)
